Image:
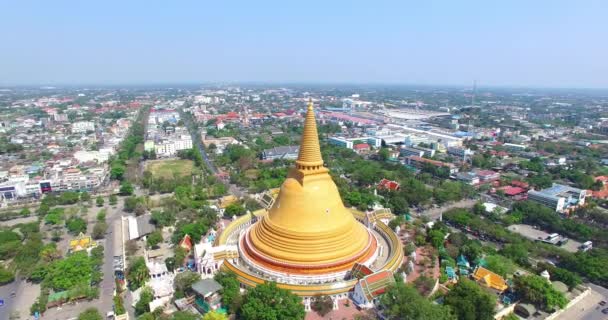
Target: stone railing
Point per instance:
(238, 224)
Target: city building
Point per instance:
(285, 153)
(417, 151)
(419, 162)
(83, 126)
(559, 197)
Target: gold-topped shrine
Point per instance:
(308, 230)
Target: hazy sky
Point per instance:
(521, 43)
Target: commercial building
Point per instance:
(83, 126)
(417, 151)
(285, 153)
(419, 162)
(559, 197)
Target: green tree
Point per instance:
(90, 314)
(500, 265)
(99, 230)
(6, 276)
(154, 238)
(234, 209)
(70, 272)
(470, 302)
(117, 172)
(85, 196)
(436, 238)
(113, 199)
(540, 292)
(404, 302)
(126, 188)
(143, 305)
(99, 201)
(184, 281)
(267, 301)
(383, 154)
(137, 273)
(230, 290)
(76, 225)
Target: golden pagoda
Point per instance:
(308, 230)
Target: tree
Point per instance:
(143, 305)
(234, 209)
(436, 238)
(137, 273)
(117, 172)
(130, 203)
(85, 196)
(500, 265)
(99, 230)
(538, 291)
(140, 209)
(113, 199)
(90, 314)
(6, 276)
(230, 290)
(50, 253)
(99, 201)
(267, 301)
(322, 305)
(101, 215)
(154, 238)
(213, 315)
(404, 302)
(76, 225)
(126, 188)
(470, 302)
(383, 154)
(184, 281)
(70, 272)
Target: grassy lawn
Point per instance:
(170, 168)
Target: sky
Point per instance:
(497, 43)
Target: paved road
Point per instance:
(196, 140)
(588, 308)
(9, 303)
(434, 213)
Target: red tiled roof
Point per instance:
(186, 243)
(521, 184)
(361, 146)
(388, 184)
(512, 191)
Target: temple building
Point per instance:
(306, 240)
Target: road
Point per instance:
(588, 308)
(196, 140)
(434, 213)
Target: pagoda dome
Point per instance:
(308, 230)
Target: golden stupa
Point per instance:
(308, 230)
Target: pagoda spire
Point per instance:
(310, 151)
